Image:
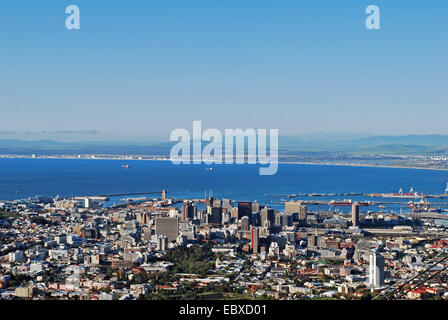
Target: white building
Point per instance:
(274, 250)
(16, 256)
(376, 270)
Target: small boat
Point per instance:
(126, 166)
(208, 169)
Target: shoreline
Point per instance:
(86, 157)
(363, 165)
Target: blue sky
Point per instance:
(138, 69)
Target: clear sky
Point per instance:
(138, 69)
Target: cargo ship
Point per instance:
(422, 206)
(407, 195)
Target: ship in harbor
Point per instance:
(423, 206)
(400, 194)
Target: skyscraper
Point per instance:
(188, 211)
(296, 207)
(292, 206)
(168, 227)
(245, 223)
(255, 239)
(244, 209)
(255, 206)
(209, 202)
(215, 216)
(303, 210)
(267, 217)
(376, 270)
(355, 214)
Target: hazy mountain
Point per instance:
(408, 144)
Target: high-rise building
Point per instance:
(245, 223)
(227, 204)
(355, 214)
(145, 217)
(255, 206)
(163, 194)
(244, 209)
(168, 227)
(376, 270)
(303, 210)
(209, 202)
(215, 216)
(255, 239)
(313, 242)
(188, 212)
(292, 206)
(234, 213)
(162, 243)
(267, 217)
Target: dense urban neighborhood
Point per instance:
(162, 248)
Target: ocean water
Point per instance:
(23, 178)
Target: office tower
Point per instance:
(217, 203)
(313, 242)
(225, 217)
(355, 214)
(234, 213)
(255, 239)
(245, 223)
(292, 206)
(227, 204)
(255, 219)
(303, 210)
(376, 270)
(182, 240)
(267, 217)
(147, 233)
(244, 209)
(162, 243)
(209, 202)
(255, 206)
(283, 220)
(187, 229)
(145, 217)
(215, 216)
(286, 220)
(188, 212)
(168, 227)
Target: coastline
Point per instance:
(362, 165)
(149, 158)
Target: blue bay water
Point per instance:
(23, 178)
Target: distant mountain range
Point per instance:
(340, 143)
(407, 144)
